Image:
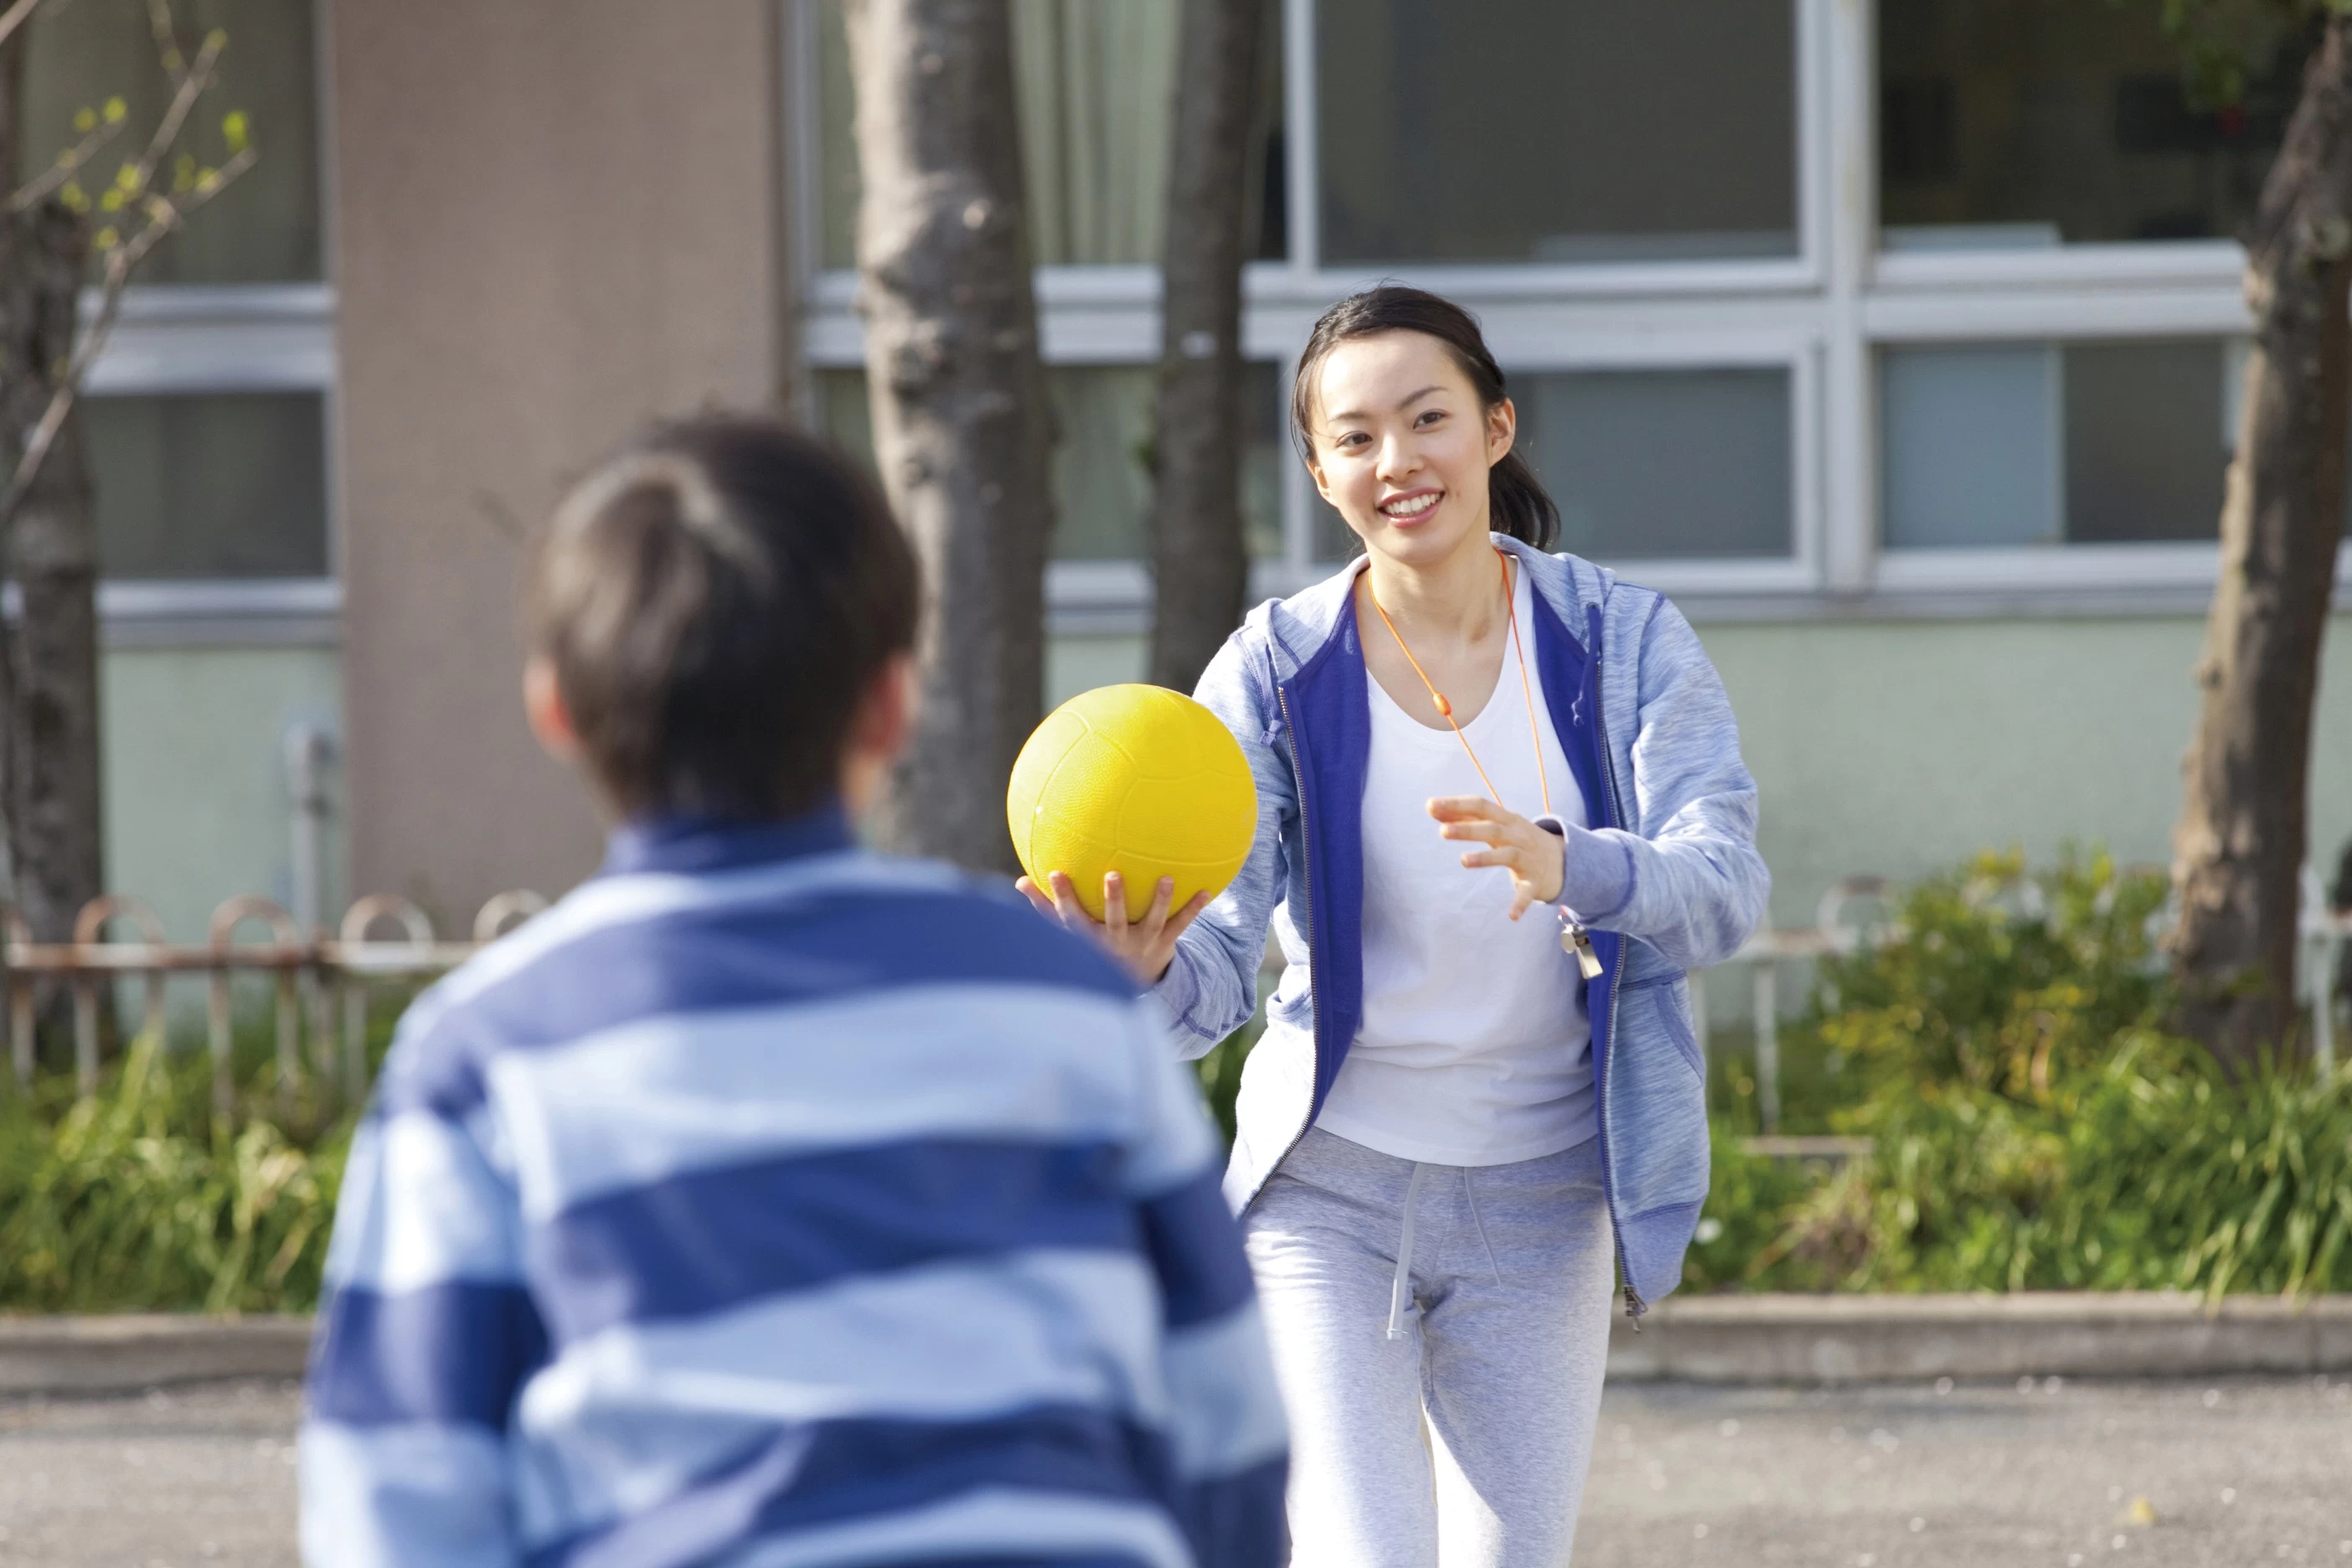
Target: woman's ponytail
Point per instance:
(1518, 504)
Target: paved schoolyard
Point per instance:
(2237, 1472)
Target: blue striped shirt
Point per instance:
(770, 1203)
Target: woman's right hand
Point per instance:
(1146, 944)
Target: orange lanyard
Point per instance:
(1446, 709)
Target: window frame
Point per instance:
(195, 339)
(1826, 313)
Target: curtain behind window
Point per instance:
(1094, 79)
(264, 229)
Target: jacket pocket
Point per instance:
(1668, 997)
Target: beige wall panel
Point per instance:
(553, 219)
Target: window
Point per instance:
(205, 415)
(197, 488)
(1615, 449)
(2024, 123)
(1807, 305)
(2043, 444)
(264, 229)
(1556, 129)
(1101, 474)
(1094, 79)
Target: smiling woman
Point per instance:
(1457, 702)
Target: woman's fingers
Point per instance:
(1186, 916)
(1155, 915)
(1065, 901)
(1035, 895)
(1468, 808)
(1114, 904)
(1506, 856)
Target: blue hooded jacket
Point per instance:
(1667, 878)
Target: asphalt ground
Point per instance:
(2238, 1472)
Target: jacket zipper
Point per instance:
(1634, 1305)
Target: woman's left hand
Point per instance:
(1536, 857)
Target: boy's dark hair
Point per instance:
(715, 602)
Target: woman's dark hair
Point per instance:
(716, 601)
(1517, 500)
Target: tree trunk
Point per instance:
(1200, 556)
(2239, 849)
(961, 427)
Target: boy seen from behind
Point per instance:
(768, 1201)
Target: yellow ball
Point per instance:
(1138, 780)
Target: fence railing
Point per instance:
(2324, 933)
(333, 975)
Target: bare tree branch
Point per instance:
(163, 215)
(167, 131)
(72, 162)
(168, 53)
(16, 17)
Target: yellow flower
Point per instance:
(128, 178)
(235, 130)
(111, 202)
(108, 237)
(84, 119)
(117, 111)
(75, 198)
(208, 182)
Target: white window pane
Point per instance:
(264, 229)
(1102, 455)
(1969, 447)
(2023, 122)
(2039, 444)
(216, 486)
(1556, 129)
(1095, 79)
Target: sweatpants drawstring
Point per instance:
(1471, 1192)
(1403, 1288)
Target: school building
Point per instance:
(1897, 339)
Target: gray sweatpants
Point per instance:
(1460, 1438)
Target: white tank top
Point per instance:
(1474, 1048)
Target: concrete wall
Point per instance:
(552, 219)
(197, 804)
(1902, 747)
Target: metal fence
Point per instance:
(329, 978)
(2325, 933)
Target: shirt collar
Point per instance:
(687, 843)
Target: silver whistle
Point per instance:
(1576, 942)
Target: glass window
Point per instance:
(264, 229)
(1654, 465)
(1102, 455)
(2039, 444)
(1095, 79)
(1651, 465)
(2024, 122)
(216, 486)
(1556, 129)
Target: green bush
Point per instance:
(132, 1200)
(2032, 1127)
